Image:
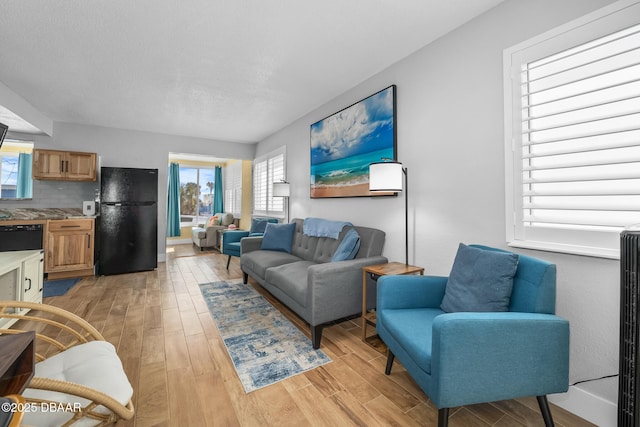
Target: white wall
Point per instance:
(450, 137)
(125, 148)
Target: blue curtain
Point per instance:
(173, 202)
(24, 187)
(218, 193)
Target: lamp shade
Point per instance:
(281, 189)
(385, 176)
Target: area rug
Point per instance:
(265, 346)
(56, 288)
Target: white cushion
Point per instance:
(95, 365)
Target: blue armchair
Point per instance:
(231, 238)
(466, 358)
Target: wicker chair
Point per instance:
(79, 379)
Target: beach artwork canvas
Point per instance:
(345, 143)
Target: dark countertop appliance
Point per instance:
(128, 231)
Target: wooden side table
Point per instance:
(17, 362)
(375, 271)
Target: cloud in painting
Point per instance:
(354, 130)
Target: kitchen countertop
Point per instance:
(40, 214)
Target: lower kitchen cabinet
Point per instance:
(69, 248)
(21, 278)
(32, 276)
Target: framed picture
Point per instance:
(345, 143)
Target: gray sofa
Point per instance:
(307, 281)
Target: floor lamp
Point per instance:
(387, 177)
(283, 189)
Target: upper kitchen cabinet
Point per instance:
(64, 165)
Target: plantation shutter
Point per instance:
(581, 135)
(576, 136)
(267, 170)
(233, 188)
(276, 174)
(260, 187)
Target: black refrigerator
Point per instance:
(128, 236)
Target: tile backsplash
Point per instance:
(56, 194)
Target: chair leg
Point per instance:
(390, 358)
(443, 417)
(546, 412)
(316, 336)
(228, 261)
(245, 278)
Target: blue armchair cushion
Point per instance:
(278, 237)
(348, 248)
(258, 225)
(480, 280)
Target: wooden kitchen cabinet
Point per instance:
(70, 246)
(64, 165)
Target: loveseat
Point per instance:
(207, 235)
(307, 278)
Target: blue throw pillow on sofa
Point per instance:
(480, 280)
(258, 225)
(278, 237)
(348, 248)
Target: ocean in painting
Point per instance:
(348, 171)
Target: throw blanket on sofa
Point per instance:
(319, 227)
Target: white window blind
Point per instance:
(276, 174)
(233, 188)
(267, 170)
(260, 186)
(575, 138)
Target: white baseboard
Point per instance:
(588, 406)
(171, 242)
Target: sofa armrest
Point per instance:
(250, 244)
(335, 288)
(512, 354)
(410, 291)
(213, 238)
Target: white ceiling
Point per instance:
(15, 122)
(224, 70)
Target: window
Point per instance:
(572, 130)
(233, 188)
(267, 170)
(15, 183)
(196, 194)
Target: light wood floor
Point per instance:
(182, 374)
